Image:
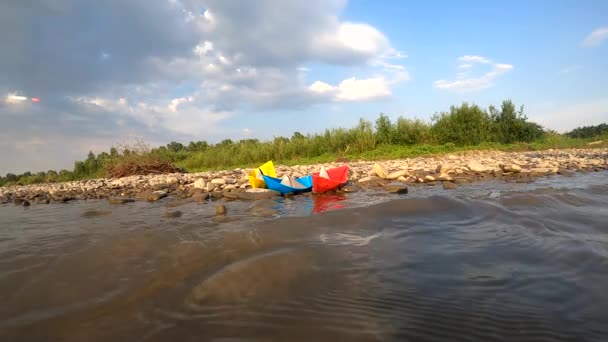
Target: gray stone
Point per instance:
(395, 188)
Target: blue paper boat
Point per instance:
(275, 184)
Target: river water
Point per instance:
(485, 262)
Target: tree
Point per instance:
(175, 146)
(197, 146)
(10, 177)
(113, 152)
(384, 130)
(297, 136)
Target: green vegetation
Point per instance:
(464, 127)
(589, 131)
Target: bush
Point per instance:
(412, 132)
(463, 125)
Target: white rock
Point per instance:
(210, 187)
(476, 166)
(200, 183)
(429, 178)
(397, 174)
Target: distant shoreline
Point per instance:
(447, 170)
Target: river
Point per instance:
(490, 261)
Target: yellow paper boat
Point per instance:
(255, 177)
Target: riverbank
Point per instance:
(393, 176)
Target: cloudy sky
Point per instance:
(85, 75)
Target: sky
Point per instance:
(87, 75)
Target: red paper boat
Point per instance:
(337, 177)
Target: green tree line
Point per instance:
(463, 125)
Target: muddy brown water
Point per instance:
(485, 262)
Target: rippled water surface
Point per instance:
(491, 261)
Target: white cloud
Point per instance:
(353, 89)
(474, 59)
(200, 69)
(466, 83)
(596, 37)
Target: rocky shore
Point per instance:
(391, 176)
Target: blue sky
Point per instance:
(109, 72)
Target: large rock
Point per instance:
(395, 188)
(397, 174)
(210, 187)
(380, 171)
(256, 194)
(200, 183)
(476, 166)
